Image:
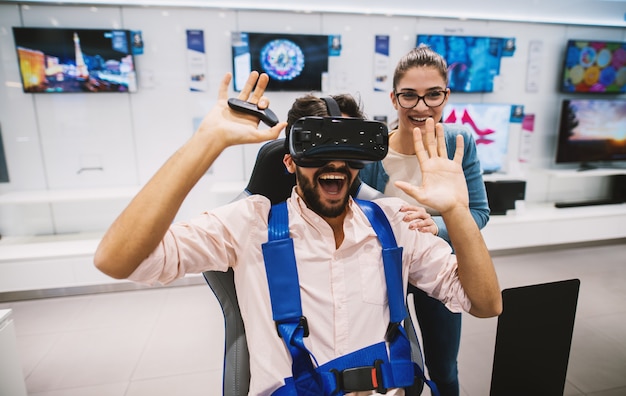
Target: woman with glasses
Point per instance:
(420, 91)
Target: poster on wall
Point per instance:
(4, 171)
(334, 45)
(136, 43)
(196, 61)
(381, 63)
(525, 147)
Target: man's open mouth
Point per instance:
(332, 183)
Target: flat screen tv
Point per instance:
(594, 66)
(294, 62)
(489, 123)
(55, 60)
(473, 61)
(592, 131)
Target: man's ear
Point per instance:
(289, 164)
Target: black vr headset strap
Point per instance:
(334, 111)
(332, 106)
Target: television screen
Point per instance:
(594, 67)
(490, 126)
(4, 171)
(75, 60)
(592, 130)
(294, 62)
(473, 62)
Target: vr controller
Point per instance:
(266, 115)
(313, 141)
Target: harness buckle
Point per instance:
(303, 323)
(358, 379)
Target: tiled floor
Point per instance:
(168, 341)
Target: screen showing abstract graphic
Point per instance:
(54, 60)
(594, 67)
(473, 62)
(294, 62)
(490, 125)
(592, 130)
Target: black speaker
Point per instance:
(502, 194)
(618, 189)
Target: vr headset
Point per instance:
(313, 141)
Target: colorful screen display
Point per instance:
(473, 62)
(594, 67)
(54, 60)
(592, 130)
(294, 62)
(490, 125)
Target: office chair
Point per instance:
(533, 339)
(269, 178)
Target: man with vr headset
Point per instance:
(345, 303)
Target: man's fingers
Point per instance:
(261, 84)
(222, 93)
(276, 129)
(249, 86)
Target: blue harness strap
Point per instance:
(284, 286)
(370, 368)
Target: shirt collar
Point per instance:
(355, 221)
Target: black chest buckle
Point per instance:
(359, 379)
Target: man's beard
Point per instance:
(312, 197)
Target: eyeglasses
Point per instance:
(408, 100)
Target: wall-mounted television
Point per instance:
(594, 66)
(55, 60)
(294, 62)
(592, 130)
(4, 171)
(490, 124)
(473, 61)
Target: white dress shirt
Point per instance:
(344, 294)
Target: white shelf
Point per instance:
(585, 173)
(51, 264)
(545, 225)
(15, 249)
(69, 195)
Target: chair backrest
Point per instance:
(533, 339)
(270, 178)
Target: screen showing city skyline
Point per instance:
(54, 60)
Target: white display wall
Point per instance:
(75, 160)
